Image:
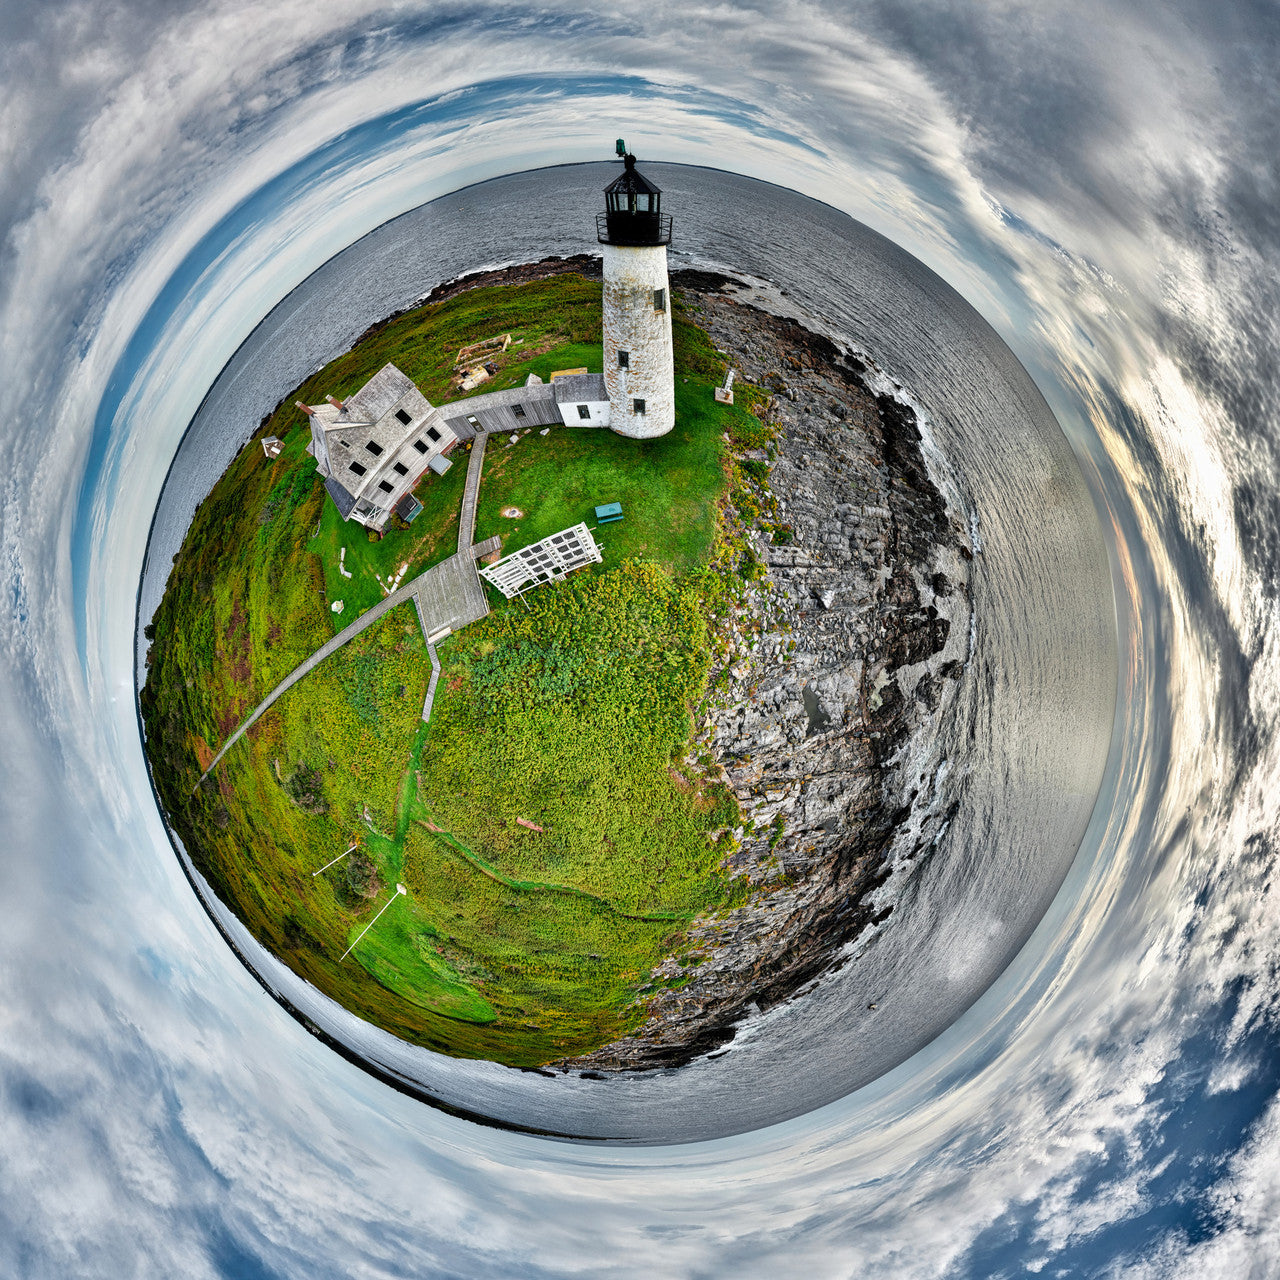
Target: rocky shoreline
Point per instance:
(842, 653)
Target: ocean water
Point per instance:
(1023, 756)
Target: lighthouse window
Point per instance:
(637, 406)
(659, 299)
(624, 359)
(403, 417)
(584, 411)
(374, 447)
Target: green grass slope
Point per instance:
(572, 714)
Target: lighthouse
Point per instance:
(639, 372)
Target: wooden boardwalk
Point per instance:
(471, 494)
(429, 700)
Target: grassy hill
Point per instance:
(572, 715)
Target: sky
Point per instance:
(1098, 180)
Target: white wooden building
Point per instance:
(374, 447)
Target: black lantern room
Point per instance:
(633, 214)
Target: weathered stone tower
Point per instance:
(639, 373)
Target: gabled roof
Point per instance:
(378, 394)
(329, 414)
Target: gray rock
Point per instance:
(808, 722)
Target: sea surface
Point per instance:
(1024, 754)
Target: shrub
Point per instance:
(305, 787)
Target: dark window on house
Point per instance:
(374, 447)
(624, 359)
(421, 448)
(584, 411)
(518, 410)
(386, 486)
(400, 469)
(637, 406)
(358, 468)
(659, 299)
(401, 416)
(433, 434)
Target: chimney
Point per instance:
(306, 408)
(337, 404)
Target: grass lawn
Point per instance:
(432, 537)
(668, 487)
(563, 312)
(511, 944)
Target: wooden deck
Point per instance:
(450, 595)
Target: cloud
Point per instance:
(1098, 182)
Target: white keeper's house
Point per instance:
(374, 447)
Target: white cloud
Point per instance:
(164, 1105)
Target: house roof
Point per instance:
(343, 500)
(379, 394)
(579, 387)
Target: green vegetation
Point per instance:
(578, 707)
(432, 537)
(669, 511)
(574, 715)
(554, 324)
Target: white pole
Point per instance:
(339, 858)
(399, 890)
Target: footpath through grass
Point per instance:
(512, 944)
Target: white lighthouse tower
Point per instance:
(639, 373)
